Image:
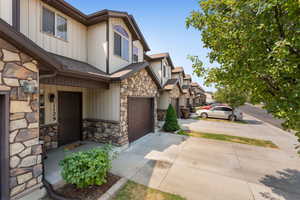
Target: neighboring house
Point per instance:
(200, 97)
(178, 73)
(209, 97)
(189, 95)
(171, 91)
(66, 76)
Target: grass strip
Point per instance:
(230, 138)
(135, 191)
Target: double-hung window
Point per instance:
(54, 24)
(121, 42)
(135, 54)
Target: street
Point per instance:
(261, 114)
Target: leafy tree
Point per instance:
(171, 123)
(257, 44)
(230, 96)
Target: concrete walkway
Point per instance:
(201, 169)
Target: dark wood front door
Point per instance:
(69, 117)
(4, 155)
(175, 104)
(140, 117)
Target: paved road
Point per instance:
(261, 114)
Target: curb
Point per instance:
(114, 189)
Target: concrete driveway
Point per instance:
(201, 169)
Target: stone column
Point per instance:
(25, 150)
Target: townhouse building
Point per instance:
(67, 76)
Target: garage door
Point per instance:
(140, 117)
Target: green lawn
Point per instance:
(230, 138)
(134, 191)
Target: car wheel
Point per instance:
(232, 118)
(204, 115)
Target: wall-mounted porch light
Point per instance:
(29, 86)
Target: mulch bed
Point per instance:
(90, 193)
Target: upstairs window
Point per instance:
(48, 21)
(135, 54)
(54, 24)
(61, 27)
(164, 71)
(121, 42)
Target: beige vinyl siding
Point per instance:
(168, 70)
(51, 109)
(6, 10)
(138, 45)
(104, 103)
(97, 46)
(156, 67)
(164, 100)
(76, 45)
(116, 62)
(182, 101)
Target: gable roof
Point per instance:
(24, 44)
(161, 56)
(178, 70)
(98, 17)
(77, 67)
(188, 77)
(171, 83)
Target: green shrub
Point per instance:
(171, 123)
(88, 168)
(182, 132)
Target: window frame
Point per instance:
(122, 39)
(133, 54)
(55, 23)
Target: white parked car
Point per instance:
(223, 112)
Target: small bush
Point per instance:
(171, 123)
(84, 169)
(182, 132)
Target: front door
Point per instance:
(4, 155)
(69, 117)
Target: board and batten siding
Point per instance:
(6, 10)
(104, 103)
(51, 109)
(156, 67)
(31, 25)
(139, 45)
(97, 46)
(164, 100)
(116, 62)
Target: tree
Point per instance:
(230, 96)
(171, 123)
(257, 44)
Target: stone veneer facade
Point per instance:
(25, 148)
(175, 92)
(138, 85)
(101, 131)
(49, 135)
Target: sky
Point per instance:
(162, 23)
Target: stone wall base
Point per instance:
(161, 114)
(102, 131)
(49, 134)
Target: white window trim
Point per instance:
(135, 47)
(55, 23)
(122, 37)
